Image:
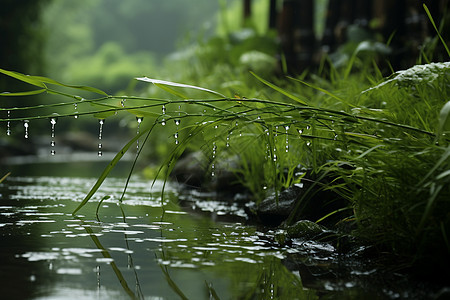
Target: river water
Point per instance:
(152, 248)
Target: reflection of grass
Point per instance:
(382, 148)
(113, 265)
(4, 177)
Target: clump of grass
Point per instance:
(392, 136)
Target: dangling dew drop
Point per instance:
(214, 149)
(275, 143)
(287, 137)
(177, 123)
(300, 131)
(100, 132)
(139, 121)
(26, 125)
(237, 124)
(52, 143)
(163, 121)
(268, 157)
(75, 105)
(8, 124)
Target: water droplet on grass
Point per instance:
(8, 124)
(287, 137)
(139, 121)
(52, 143)
(100, 132)
(75, 105)
(26, 125)
(163, 121)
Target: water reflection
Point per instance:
(149, 254)
(47, 253)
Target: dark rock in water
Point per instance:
(194, 171)
(273, 210)
(307, 201)
(191, 169)
(305, 229)
(225, 179)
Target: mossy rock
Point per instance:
(305, 229)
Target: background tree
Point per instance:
(22, 37)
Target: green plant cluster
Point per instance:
(382, 143)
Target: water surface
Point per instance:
(151, 248)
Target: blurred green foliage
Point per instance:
(22, 37)
(108, 43)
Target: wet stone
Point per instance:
(305, 229)
(273, 211)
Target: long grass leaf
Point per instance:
(24, 78)
(171, 91)
(78, 87)
(29, 93)
(105, 254)
(4, 177)
(280, 90)
(109, 167)
(435, 28)
(323, 91)
(182, 85)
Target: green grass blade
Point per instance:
(444, 119)
(323, 91)
(171, 91)
(40, 81)
(108, 168)
(435, 28)
(78, 87)
(280, 90)
(182, 85)
(29, 93)
(106, 254)
(24, 78)
(4, 177)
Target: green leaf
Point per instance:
(24, 78)
(171, 91)
(323, 91)
(4, 177)
(40, 81)
(158, 83)
(280, 90)
(29, 93)
(435, 28)
(78, 87)
(444, 118)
